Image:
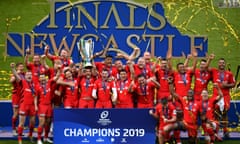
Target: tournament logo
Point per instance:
(104, 120)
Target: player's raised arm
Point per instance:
(46, 52)
(209, 59)
(26, 59)
(17, 77)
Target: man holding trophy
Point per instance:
(91, 90)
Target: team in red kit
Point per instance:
(178, 99)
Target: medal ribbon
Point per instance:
(143, 90)
(204, 107)
(104, 86)
(165, 112)
(221, 76)
(184, 78)
(202, 74)
(44, 90)
(87, 83)
(32, 88)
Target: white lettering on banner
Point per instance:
(105, 132)
(133, 132)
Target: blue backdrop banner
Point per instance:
(118, 26)
(75, 126)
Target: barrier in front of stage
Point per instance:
(6, 113)
(138, 115)
(75, 126)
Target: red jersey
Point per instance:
(149, 65)
(29, 92)
(36, 71)
(51, 73)
(124, 96)
(162, 76)
(190, 110)
(137, 71)
(86, 87)
(17, 91)
(112, 71)
(202, 79)
(145, 94)
(103, 89)
(182, 82)
(128, 73)
(219, 78)
(167, 112)
(44, 94)
(65, 62)
(206, 108)
(71, 94)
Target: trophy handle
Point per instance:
(79, 44)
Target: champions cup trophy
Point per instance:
(86, 48)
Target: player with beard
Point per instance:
(35, 66)
(86, 83)
(144, 90)
(182, 79)
(190, 113)
(202, 75)
(104, 91)
(226, 81)
(107, 65)
(119, 65)
(166, 114)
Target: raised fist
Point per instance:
(27, 51)
(12, 65)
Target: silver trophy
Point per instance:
(86, 48)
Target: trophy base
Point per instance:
(88, 66)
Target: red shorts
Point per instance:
(144, 105)
(57, 100)
(15, 100)
(103, 104)
(69, 103)
(45, 110)
(27, 109)
(86, 103)
(124, 105)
